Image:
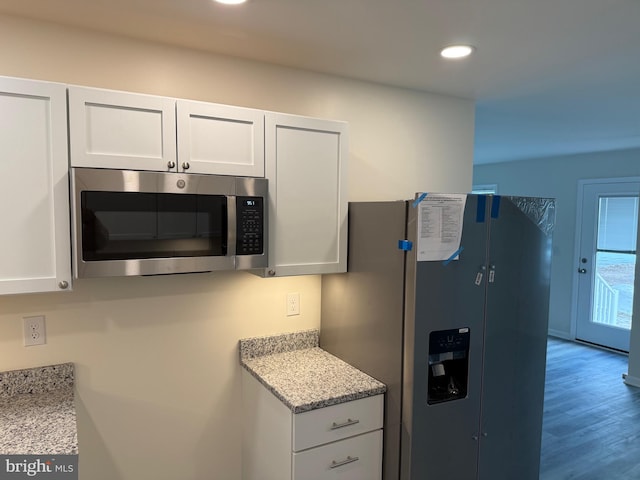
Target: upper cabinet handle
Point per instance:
(171, 164)
(185, 165)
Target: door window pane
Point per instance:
(617, 223)
(615, 261)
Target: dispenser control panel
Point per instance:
(449, 340)
(448, 365)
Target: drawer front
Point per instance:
(336, 422)
(355, 458)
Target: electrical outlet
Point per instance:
(293, 304)
(34, 331)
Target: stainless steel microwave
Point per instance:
(127, 222)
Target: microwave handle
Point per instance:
(231, 225)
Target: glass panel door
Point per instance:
(615, 261)
(607, 263)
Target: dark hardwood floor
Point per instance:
(591, 426)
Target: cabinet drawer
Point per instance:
(336, 422)
(356, 458)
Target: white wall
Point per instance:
(158, 380)
(558, 177)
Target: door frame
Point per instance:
(578, 239)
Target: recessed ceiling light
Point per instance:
(230, 2)
(456, 51)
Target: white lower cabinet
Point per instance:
(341, 441)
(35, 247)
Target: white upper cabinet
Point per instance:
(306, 165)
(34, 187)
(121, 130)
(220, 139)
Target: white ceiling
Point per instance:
(549, 77)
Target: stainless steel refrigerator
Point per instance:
(459, 340)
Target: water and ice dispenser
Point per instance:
(448, 365)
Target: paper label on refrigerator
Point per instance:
(440, 226)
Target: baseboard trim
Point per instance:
(632, 381)
(602, 347)
(560, 334)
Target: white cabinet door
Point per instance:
(121, 130)
(306, 164)
(220, 139)
(34, 187)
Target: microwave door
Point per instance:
(123, 232)
(153, 223)
(141, 233)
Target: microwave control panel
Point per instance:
(250, 225)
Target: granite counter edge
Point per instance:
(307, 407)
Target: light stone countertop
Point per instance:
(37, 411)
(302, 375)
